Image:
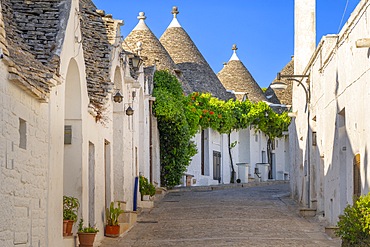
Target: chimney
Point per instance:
(304, 33)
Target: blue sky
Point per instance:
(262, 30)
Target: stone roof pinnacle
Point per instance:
(234, 56)
(141, 25)
(175, 11)
(175, 22)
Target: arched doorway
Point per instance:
(119, 129)
(72, 177)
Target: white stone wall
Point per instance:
(194, 168)
(100, 166)
(213, 142)
(281, 170)
(250, 145)
(24, 169)
(339, 80)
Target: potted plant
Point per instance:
(146, 189)
(70, 208)
(112, 229)
(86, 235)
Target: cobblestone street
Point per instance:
(241, 216)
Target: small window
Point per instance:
(314, 139)
(68, 134)
(22, 134)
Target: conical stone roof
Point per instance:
(190, 61)
(152, 50)
(282, 96)
(235, 76)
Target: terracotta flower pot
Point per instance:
(86, 239)
(112, 231)
(67, 227)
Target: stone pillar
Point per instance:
(304, 33)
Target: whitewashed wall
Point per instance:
(24, 169)
(339, 78)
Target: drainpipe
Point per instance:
(308, 149)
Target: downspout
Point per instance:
(232, 177)
(269, 159)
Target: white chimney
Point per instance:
(304, 33)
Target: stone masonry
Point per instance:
(191, 62)
(31, 30)
(235, 76)
(97, 52)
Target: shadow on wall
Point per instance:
(296, 164)
(339, 182)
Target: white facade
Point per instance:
(24, 179)
(99, 163)
(250, 151)
(336, 131)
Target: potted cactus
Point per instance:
(112, 229)
(86, 235)
(70, 208)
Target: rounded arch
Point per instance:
(118, 87)
(118, 79)
(73, 91)
(117, 171)
(73, 140)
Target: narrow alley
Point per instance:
(242, 216)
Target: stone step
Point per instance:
(160, 190)
(127, 220)
(145, 204)
(69, 241)
(124, 227)
(307, 212)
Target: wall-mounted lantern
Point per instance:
(129, 111)
(136, 62)
(118, 97)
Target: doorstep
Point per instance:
(69, 241)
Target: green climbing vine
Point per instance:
(175, 128)
(180, 117)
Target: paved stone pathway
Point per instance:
(243, 216)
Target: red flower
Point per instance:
(205, 111)
(211, 112)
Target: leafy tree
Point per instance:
(180, 118)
